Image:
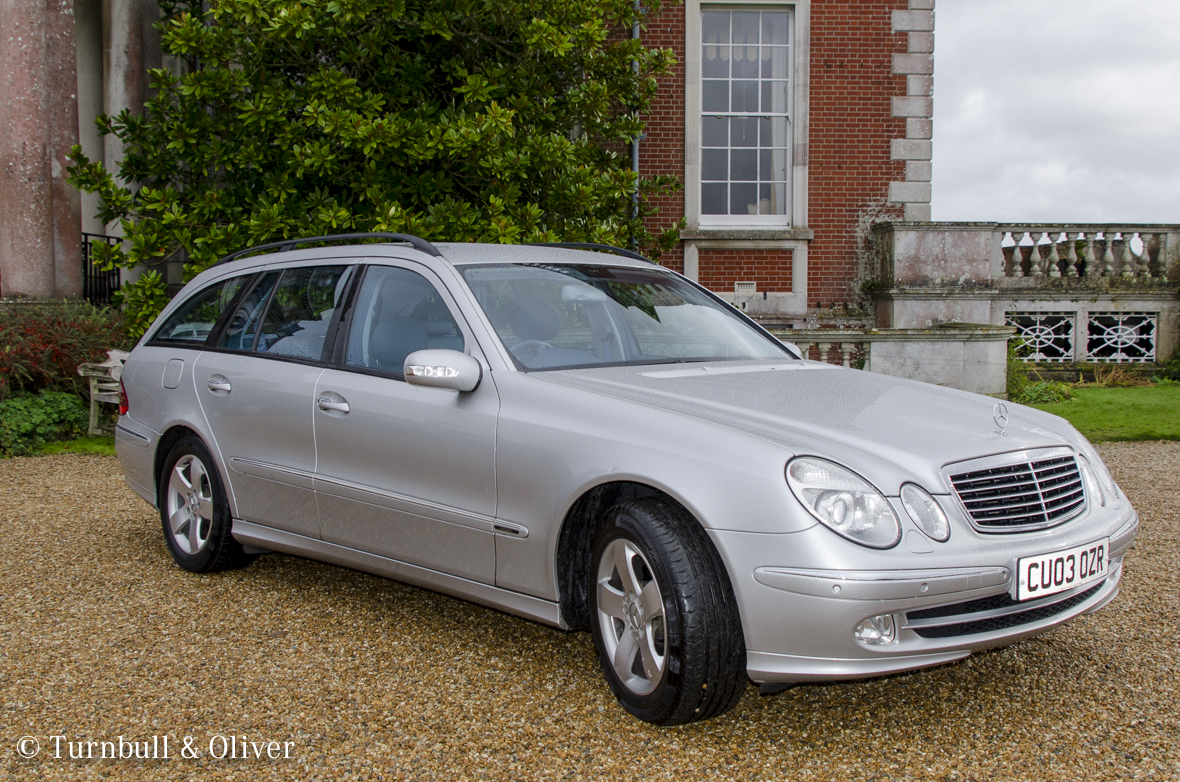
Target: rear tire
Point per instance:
(663, 615)
(195, 513)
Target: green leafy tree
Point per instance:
(466, 120)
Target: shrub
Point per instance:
(462, 121)
(1043, 392)
(142, 301)
(42, 344)
(1117, 376)
(1017, 369)
(1171, 368)
(29, 421)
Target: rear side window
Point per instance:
(243, 323)
(301, 310)
(195, 319)
(398, 312)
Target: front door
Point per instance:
(403, 471)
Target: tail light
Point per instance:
(123, 405)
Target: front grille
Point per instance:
(1027, 495)
(1003, 622)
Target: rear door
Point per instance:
(403, 471)
(256, 385)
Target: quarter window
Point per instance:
(397, 312)
(745, 116)
(243, 323)
(195, 319)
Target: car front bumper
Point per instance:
(799, 620)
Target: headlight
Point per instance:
(925, 511)
(1088, 477)
(844, 502)
(1105, 479)
(1095, 469)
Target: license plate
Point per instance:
(1048, 574)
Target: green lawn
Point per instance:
(1137, 413)
(100, 445)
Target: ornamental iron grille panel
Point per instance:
(1048, 335)
(1121, 336)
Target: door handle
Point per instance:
(218, 383)
(324, 403)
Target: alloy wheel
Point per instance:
(190, 504)
(631, 616)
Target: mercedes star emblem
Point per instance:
(1000, 416)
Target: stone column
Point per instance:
(131, 46)
(62, 67)
(39, 214)
(26, 195)
(89, 46)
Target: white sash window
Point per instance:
(745, 122)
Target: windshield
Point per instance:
(559, 316)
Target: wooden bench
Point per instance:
(104, 386)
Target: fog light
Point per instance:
(876, 630)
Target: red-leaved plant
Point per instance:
(42, 344)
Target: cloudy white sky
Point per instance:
(1057, 110)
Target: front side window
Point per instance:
(745, 116)
(397, 312)
(558, 316)
(301, 310)
(195, 319)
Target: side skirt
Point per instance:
(515, 603)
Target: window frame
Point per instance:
(798, 37)
(157, 341)
(330, 332)
(336, 358)
(255, 277)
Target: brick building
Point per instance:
(793, 124)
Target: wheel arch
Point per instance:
(576, 537)
(164, 446)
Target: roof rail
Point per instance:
(416, 242)
(592, 246)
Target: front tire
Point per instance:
(195, 513)
(663, 615)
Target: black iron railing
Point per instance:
(97, 283)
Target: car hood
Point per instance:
(889, 429)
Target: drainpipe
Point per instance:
(635, 141)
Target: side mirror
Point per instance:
(440, 368)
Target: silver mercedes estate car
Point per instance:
(597, 443)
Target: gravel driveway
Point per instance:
(357, 677)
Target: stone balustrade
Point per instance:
(969, 356)
(1024, 254)
(829, 345)
(1079, 292)
(1086, 251)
